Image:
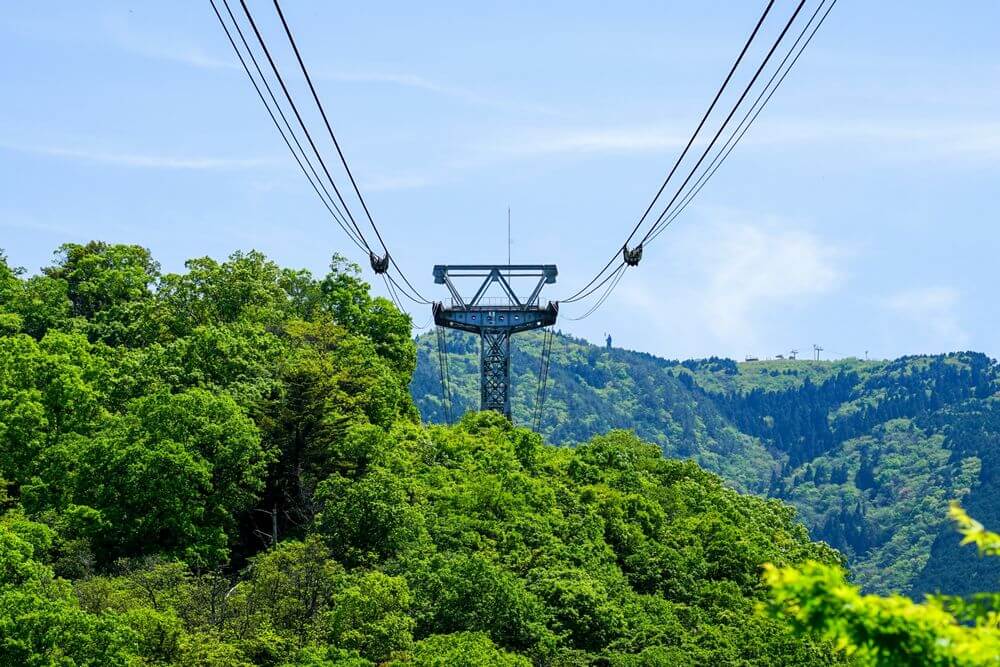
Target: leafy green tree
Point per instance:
(109, 286)
(461, 649)
(869, 452)
(370, 615)
(227, 465)
(101, 276)
(472, 593)
(246, 287)
(9, 283)
(40, 622)
(583, 609)
(33, 305)
(10, 287)
(43, 305)
(333, 386)
(292, 585)
(348, 300)
(367, 519)
(180, 467)
(48, 392)
(893, 630)
(327, 656)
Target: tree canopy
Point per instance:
(224, 467)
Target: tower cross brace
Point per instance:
(495, 319)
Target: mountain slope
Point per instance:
(592, 390)
(869, 452)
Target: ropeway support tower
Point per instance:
(494, 318)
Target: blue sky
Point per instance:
(859, 212)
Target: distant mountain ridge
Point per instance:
(870, 452)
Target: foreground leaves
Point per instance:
(893, 630)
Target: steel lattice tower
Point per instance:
(495, 320)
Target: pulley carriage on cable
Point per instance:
(632, 256)
(379, 264)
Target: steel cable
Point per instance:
(744, 125)
(543, 376)
(615, 278)
(442, 345)
(704, 154)
(729, 117)
(694, 135)
(339, 219)
(298, 116)
(333, 137)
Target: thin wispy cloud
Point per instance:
(904, 138)
(191, 56)
(958, 138)
(17, 220)
(146, 161)
(407, 80)
(932, 312)
(177, 49)
(418, 82)
(898, 139)
(197, 56)
(559, 141)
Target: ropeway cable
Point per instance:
(694, 135)
(744, 125)
(328, 200)
(340, 153)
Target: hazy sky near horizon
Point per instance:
(860, 211)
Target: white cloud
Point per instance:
(644, 139)
(146, 161)
(932, 312)
(901, 138)
(402, 182)
(193, 55)
(141, 36)
(398, 79)
(418, 82)
(754, 267)
(726, 283)
(190, 55)
(23, 222)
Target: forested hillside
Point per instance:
(223, 467)
(870, 453)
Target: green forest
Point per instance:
(225, 467)
(869, 453)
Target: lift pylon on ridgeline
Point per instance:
(495, 319)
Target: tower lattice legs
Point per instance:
(495, 319)
(495, 365)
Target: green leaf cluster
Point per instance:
(871, 630)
